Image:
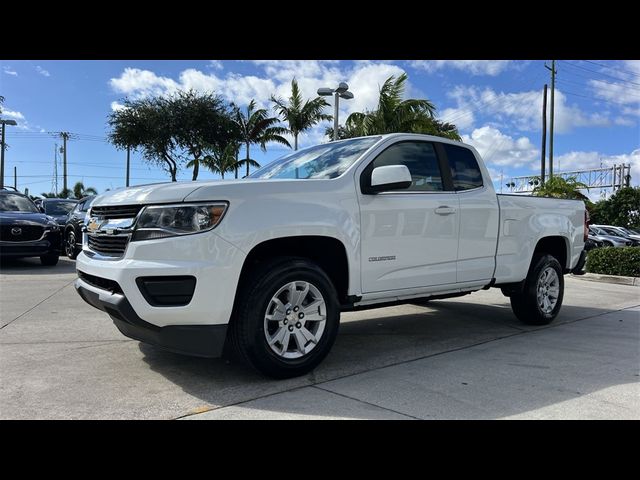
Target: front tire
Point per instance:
(541, 299)
(49, 259)
(286, 318)
(70, 248)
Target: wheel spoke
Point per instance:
(285, 341)
(278, 336)
(300, 341)
(310, 337)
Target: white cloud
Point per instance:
(474, 67)
(364, 79)
(522, 109)
(115, 106)
(12, 114)
(463, 117)
(42, 71)
(10, 71)
(586, 160)
(216, 64)
(499, 149)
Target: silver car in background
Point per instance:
(620, 232)
(609, 240)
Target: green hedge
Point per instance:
(623, 261)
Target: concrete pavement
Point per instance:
(461, 358)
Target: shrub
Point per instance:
(615, 261)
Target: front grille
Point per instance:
(102, 283)
(120, 211)
(28, 233)
(108, 245)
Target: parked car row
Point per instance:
(47, 229)
(610, 236)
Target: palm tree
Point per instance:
(256, 127)
(79, 190)
(394, 114)
(222, 160)
(298, 115)
(558, 187)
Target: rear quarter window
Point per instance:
(464, 168)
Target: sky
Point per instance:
(496, 105)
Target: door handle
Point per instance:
(444, 210)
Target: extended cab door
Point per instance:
(409, 237)
(479, 215)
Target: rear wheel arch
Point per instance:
(557, 246)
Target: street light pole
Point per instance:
(341, 92)
(335, 115)
(2, 147)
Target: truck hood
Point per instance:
(153, 193)
(176, 192)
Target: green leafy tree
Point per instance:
(170, 131)
(200, 124)
(298, 114)
(257, 128)
(49, 195)
(558, 187)
(80, 191)
(394, 114)
(622, 209)
(146, 125)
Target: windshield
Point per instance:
(614, 232)
(16, 203)
(329, 160)
(58, 208)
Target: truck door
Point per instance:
(479, 216)
(409, 237)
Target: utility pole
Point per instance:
(553, 90)
(15, 177)
(3, 146)
(65, 137)
(544, 136)
(128, 163)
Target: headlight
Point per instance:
(54, 227)
(162, 221)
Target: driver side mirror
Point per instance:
(389, 177)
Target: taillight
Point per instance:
(586, 224)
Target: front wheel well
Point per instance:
(327, 252)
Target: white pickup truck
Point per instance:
(263, 266)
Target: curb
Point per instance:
(597, 277)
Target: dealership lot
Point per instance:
(460, 358)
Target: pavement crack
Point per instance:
(365, 402)
(37, 304)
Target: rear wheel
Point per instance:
(49, 259)
(541, 299)
(287, 318)
(70, 248)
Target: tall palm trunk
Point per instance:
(295, 140)
(248, 157)
(236, 169)
(196, 168)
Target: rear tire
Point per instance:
(269, 330)
(49, 259)
(70, 245)
(541, 298)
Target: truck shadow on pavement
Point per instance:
(450, 359)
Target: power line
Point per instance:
(573, 65)
(613, 68)
(594, 98)
(632, 91)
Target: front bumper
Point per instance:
(196, 340)
(32, 248)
